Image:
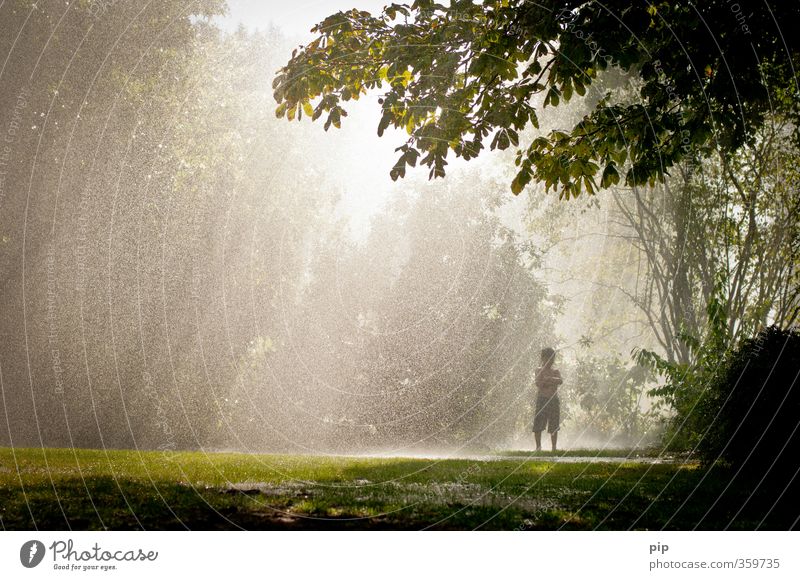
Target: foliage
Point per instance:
(754, 404)
(88, 94)
(730, 225)
(723, 234)
(609, 400)
(456, 76)
(687, 384)
(720, 241)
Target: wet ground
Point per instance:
(557, 457)
(513, 490)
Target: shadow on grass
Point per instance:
(411, 494)
(538, 495)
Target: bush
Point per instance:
(755, 408)
(604, 401)
(687, 385)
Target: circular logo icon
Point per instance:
(31, 553)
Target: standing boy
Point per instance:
(548, 407)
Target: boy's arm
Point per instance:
(548, 379)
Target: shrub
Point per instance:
(754, 406)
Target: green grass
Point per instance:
(90, 489)
(592, 453)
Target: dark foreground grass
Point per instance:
(88, 489)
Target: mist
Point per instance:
(182, 270)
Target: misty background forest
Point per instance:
(181, 269)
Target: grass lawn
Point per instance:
(89, 489)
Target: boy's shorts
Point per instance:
(548, 414)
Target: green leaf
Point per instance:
(520, 181)
(610, 176)
(384, 122)
(566, 91)
(552, 97)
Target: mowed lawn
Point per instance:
(90, 489)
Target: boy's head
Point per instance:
(548, 356)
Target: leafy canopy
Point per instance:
(455, 77)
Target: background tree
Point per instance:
(164, 227)
(456, 76)
(424, 335)
(722, 245)
(74, 104)
(609, 401)
(683, 271)
(730, 222)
